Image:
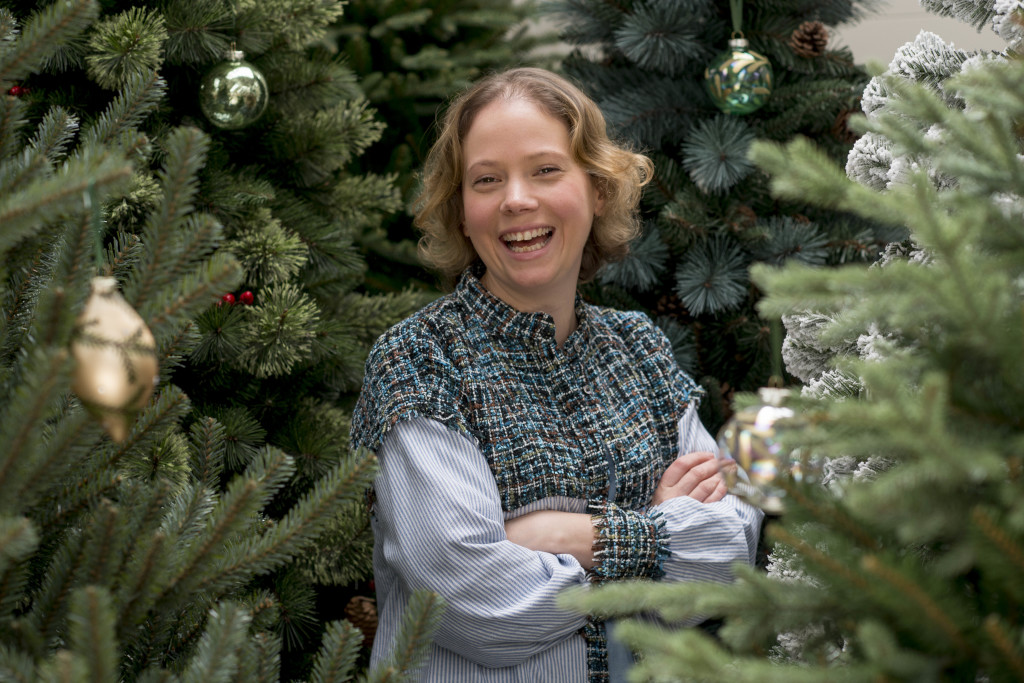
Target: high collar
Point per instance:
(518, 329)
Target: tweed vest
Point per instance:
(550, 421)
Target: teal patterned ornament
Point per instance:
(234, 93)
(739, 80)
(751, 441)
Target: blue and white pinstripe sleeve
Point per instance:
(439, 526)
(705, 539)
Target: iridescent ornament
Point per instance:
(234, 93)
(115, 358)
(739, 80)
(750, 439)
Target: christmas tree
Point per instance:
(903, 562)
(411, 57)
(209, 531)
(708, 212)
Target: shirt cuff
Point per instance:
(627, 544)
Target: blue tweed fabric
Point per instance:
(598, 415)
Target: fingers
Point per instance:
(693, 474)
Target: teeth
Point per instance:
(523, 236)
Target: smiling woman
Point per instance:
(528, 441)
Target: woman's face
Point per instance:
(527, 204)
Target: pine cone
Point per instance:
(841, 127)
(669, 305)
(809, 39)
(362, 613)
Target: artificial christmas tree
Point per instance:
(708, 213)
(199, 544)
(905, 565)
(410, 58)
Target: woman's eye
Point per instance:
(484, 180)
(548, 169)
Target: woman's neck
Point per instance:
(561, 306)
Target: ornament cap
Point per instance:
(739, 43)
(773, 396)
(234, 55)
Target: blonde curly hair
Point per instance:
(619, 173)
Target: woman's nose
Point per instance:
(518, 198)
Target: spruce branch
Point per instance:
(75, 435)
(296, 531)
(281, 330)
(413, 639)
(169, 405)
(216, 656)
(186, 154)
(664, 37)
(44, 379)
(337, 654)
(943, 624)
(53, 137)
(829, 566)
(58, 196)
(206, 451)
(715, 153)
(43, 34)
(202, 568)
(135, 596)
(12, 117)
(91, 632)
(18, 540)
(126, 45)
(136, 100)
(1002, 636)
(712, 277)
(173, 308)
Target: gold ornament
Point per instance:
(115, 358)
(750, 439)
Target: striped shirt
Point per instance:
(439, 525)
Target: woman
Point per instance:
(530, 442)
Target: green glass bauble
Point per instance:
(739, 80)
(751, 440)
(234, 93)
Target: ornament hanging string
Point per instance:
(736, 9)
(776, 380)
(96, 220)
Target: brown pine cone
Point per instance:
(362, 613)
(669, 305)
(810, 39)
(841, 127)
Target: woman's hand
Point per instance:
(555, 532)
(695, 475)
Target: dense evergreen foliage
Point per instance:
(222, 538)
(708, 213)
(903, 562)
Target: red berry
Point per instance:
(17, 91)
(229, 299)
(246, 298)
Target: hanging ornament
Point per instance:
(234, 93)
(115, 358)
(739, 80)
(751, 440)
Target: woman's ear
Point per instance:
(599, 189)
